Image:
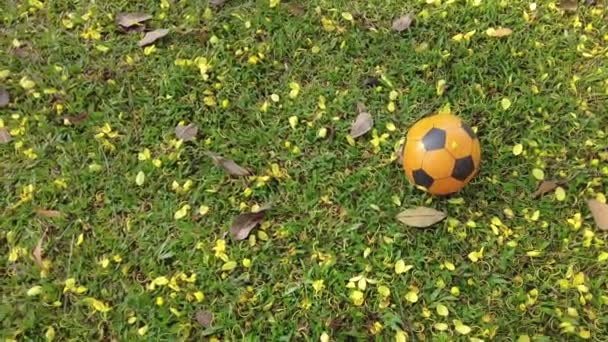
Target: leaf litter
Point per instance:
(37, 252)
(599, 211)
(186, 133)
(403, 23)
(204, 318)
(152, 37)
(244, 223)
(421, 217)
(363, 123)
(132, 22)
(228, 165)
(5, 136)
(545, 187)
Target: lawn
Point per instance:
(125, 167)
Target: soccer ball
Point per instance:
(441, 154)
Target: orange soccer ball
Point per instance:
(441, 154)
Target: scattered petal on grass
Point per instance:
(152, 37)
(244, 223)
(5, 98)
(127, 20)
(293, 121)
(599, 211)
(384, 291)
(403, 23)
(5, 136)
(182, 212)
(602, 257)
(34, 291)
(401, 267)
(228, 165)
(499, 32)
(461, 328)
(324, 337)
(505, 103)
(441, 87)
(48, 213)
(140, 178)
(568, 5)
(442, 310)
(50, 333)
(560, 194)
(518, 149)
(411, 297)
(538, 174)
(357, 298)
(204, 318)
(440, 326)
(544, 187)
(203, 210)
(186, 133)
(363, 123)
(421, 217)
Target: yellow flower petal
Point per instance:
(401, 267)
(518, 149)
(442, 310)
(34, 291)
(411, 297)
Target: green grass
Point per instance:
(333, 200)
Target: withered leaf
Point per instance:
(48, 213)
(5, 98)
(545, 187)
(421, 217)
(204, 318)
(599, 211)
(296, 9)
(217, 3)
(244, 223)
(186, 133)
(400, 153)
(568, 5)
(37, 252)
(228, 165)
(152, 36)
(126, 20)
(363, 123)
(403, 23)
(5, 136)
(74, 119)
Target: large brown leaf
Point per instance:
(228, 165)
(5, 136)
(599, 211)
(186, 133)
(204, 318)
(37, 252)
(545, 187)
(363, 123)
(244, 223)
(421, 217)
(127, 20)
(5, 98)
(403, 23)
(152, 37)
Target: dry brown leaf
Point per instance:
(421, 217)
(153, 36)
(545, 187)
(296, 9)
(37, 252)
(400, 153)
(217, 3)
(5, 136)
(5, 98)
(244, 223)
(228, 165)
(74, 119)
(127, 20)
(204, 318)
(48, 213)
(568, 5)
(403, 23)
(599, 211)
(186, 133)
(363, 123)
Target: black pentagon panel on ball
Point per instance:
(422, 178)
(434, 139)
(463, 168)
(469, 131)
